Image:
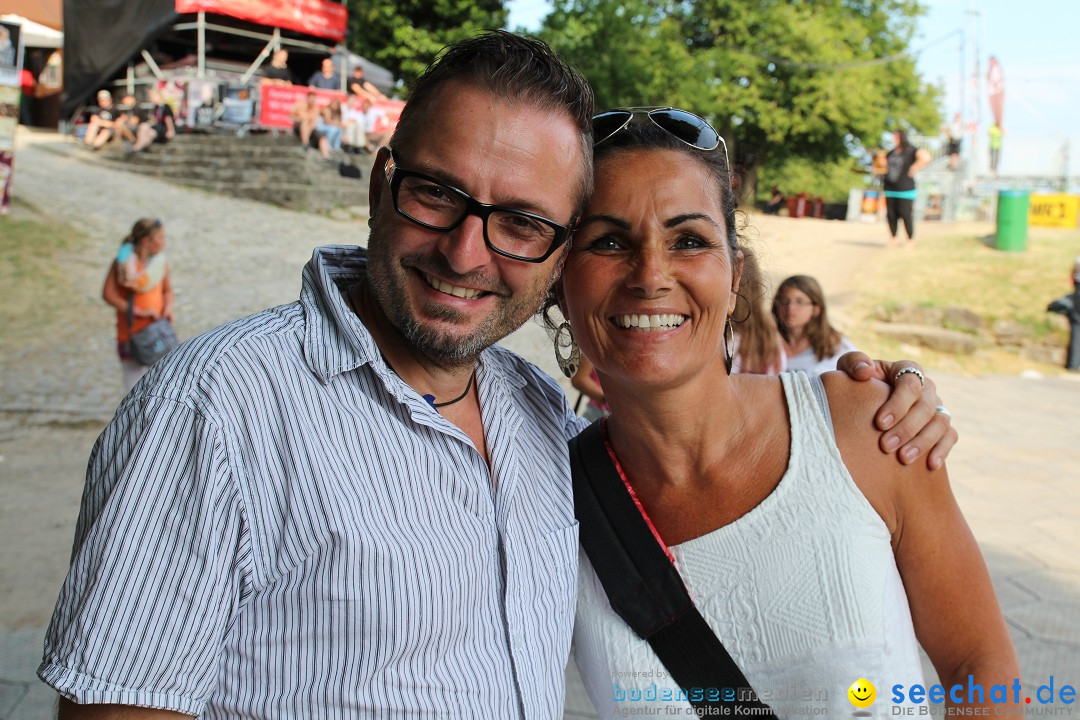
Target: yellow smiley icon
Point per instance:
(862, 693)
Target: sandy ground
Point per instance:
(1016, 472)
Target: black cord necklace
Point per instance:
(431, 398)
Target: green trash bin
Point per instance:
(1012, 220)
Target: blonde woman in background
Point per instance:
(138, 275)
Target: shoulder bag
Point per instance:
(151, 343)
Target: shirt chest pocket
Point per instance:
(558, 581)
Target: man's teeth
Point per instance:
(467, 293)
(650, 322)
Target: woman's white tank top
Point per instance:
(803, 591)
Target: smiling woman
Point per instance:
(628, 317)
(767, 494)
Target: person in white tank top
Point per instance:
(816, 559)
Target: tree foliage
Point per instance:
(404, 36)
(830, 181)
(811, 80)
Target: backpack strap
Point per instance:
(644, 587)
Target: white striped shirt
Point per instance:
(274, 525)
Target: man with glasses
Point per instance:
(355, 505)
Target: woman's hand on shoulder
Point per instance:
(852, 406)
(907, 419)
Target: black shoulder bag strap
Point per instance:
(131, 315)
(645, 589)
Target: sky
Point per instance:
(1038, 45)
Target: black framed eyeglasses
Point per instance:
(432, 204)
(691, 129)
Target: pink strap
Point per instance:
(630, 489)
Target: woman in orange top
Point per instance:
(139, 274)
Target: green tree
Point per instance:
(827, 180)
(404, 36)
(780, 79)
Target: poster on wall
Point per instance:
(10, 66)
(238, 105)
(10, 53)
(202, 103)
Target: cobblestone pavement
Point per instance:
(1016, 471)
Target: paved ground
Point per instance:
(1016, 472)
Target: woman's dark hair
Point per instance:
(511, 67)
(903, 139)
(141, 230)
(823, 337)
(646, 135)
(759, 345)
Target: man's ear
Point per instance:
(377, 184)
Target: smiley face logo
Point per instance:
(862, 693)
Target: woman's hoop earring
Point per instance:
(746, 303)
(564, 338)
(729, 345)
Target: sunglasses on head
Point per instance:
(685, 126)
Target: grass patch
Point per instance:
(967, 272)
(32, 276)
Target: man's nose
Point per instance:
(464, 246)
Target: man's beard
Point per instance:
(387, 278)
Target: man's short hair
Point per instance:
(511, 67)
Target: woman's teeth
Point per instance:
(650, 322)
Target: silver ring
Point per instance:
(944, 411)
(909, 369)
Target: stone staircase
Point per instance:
(262, 167)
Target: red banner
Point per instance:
(315, 17)
(277, 101)
(385, 117)
(995, 89)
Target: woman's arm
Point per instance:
(953, 606)
(922, 159)
(374, 91)
(112, 293)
